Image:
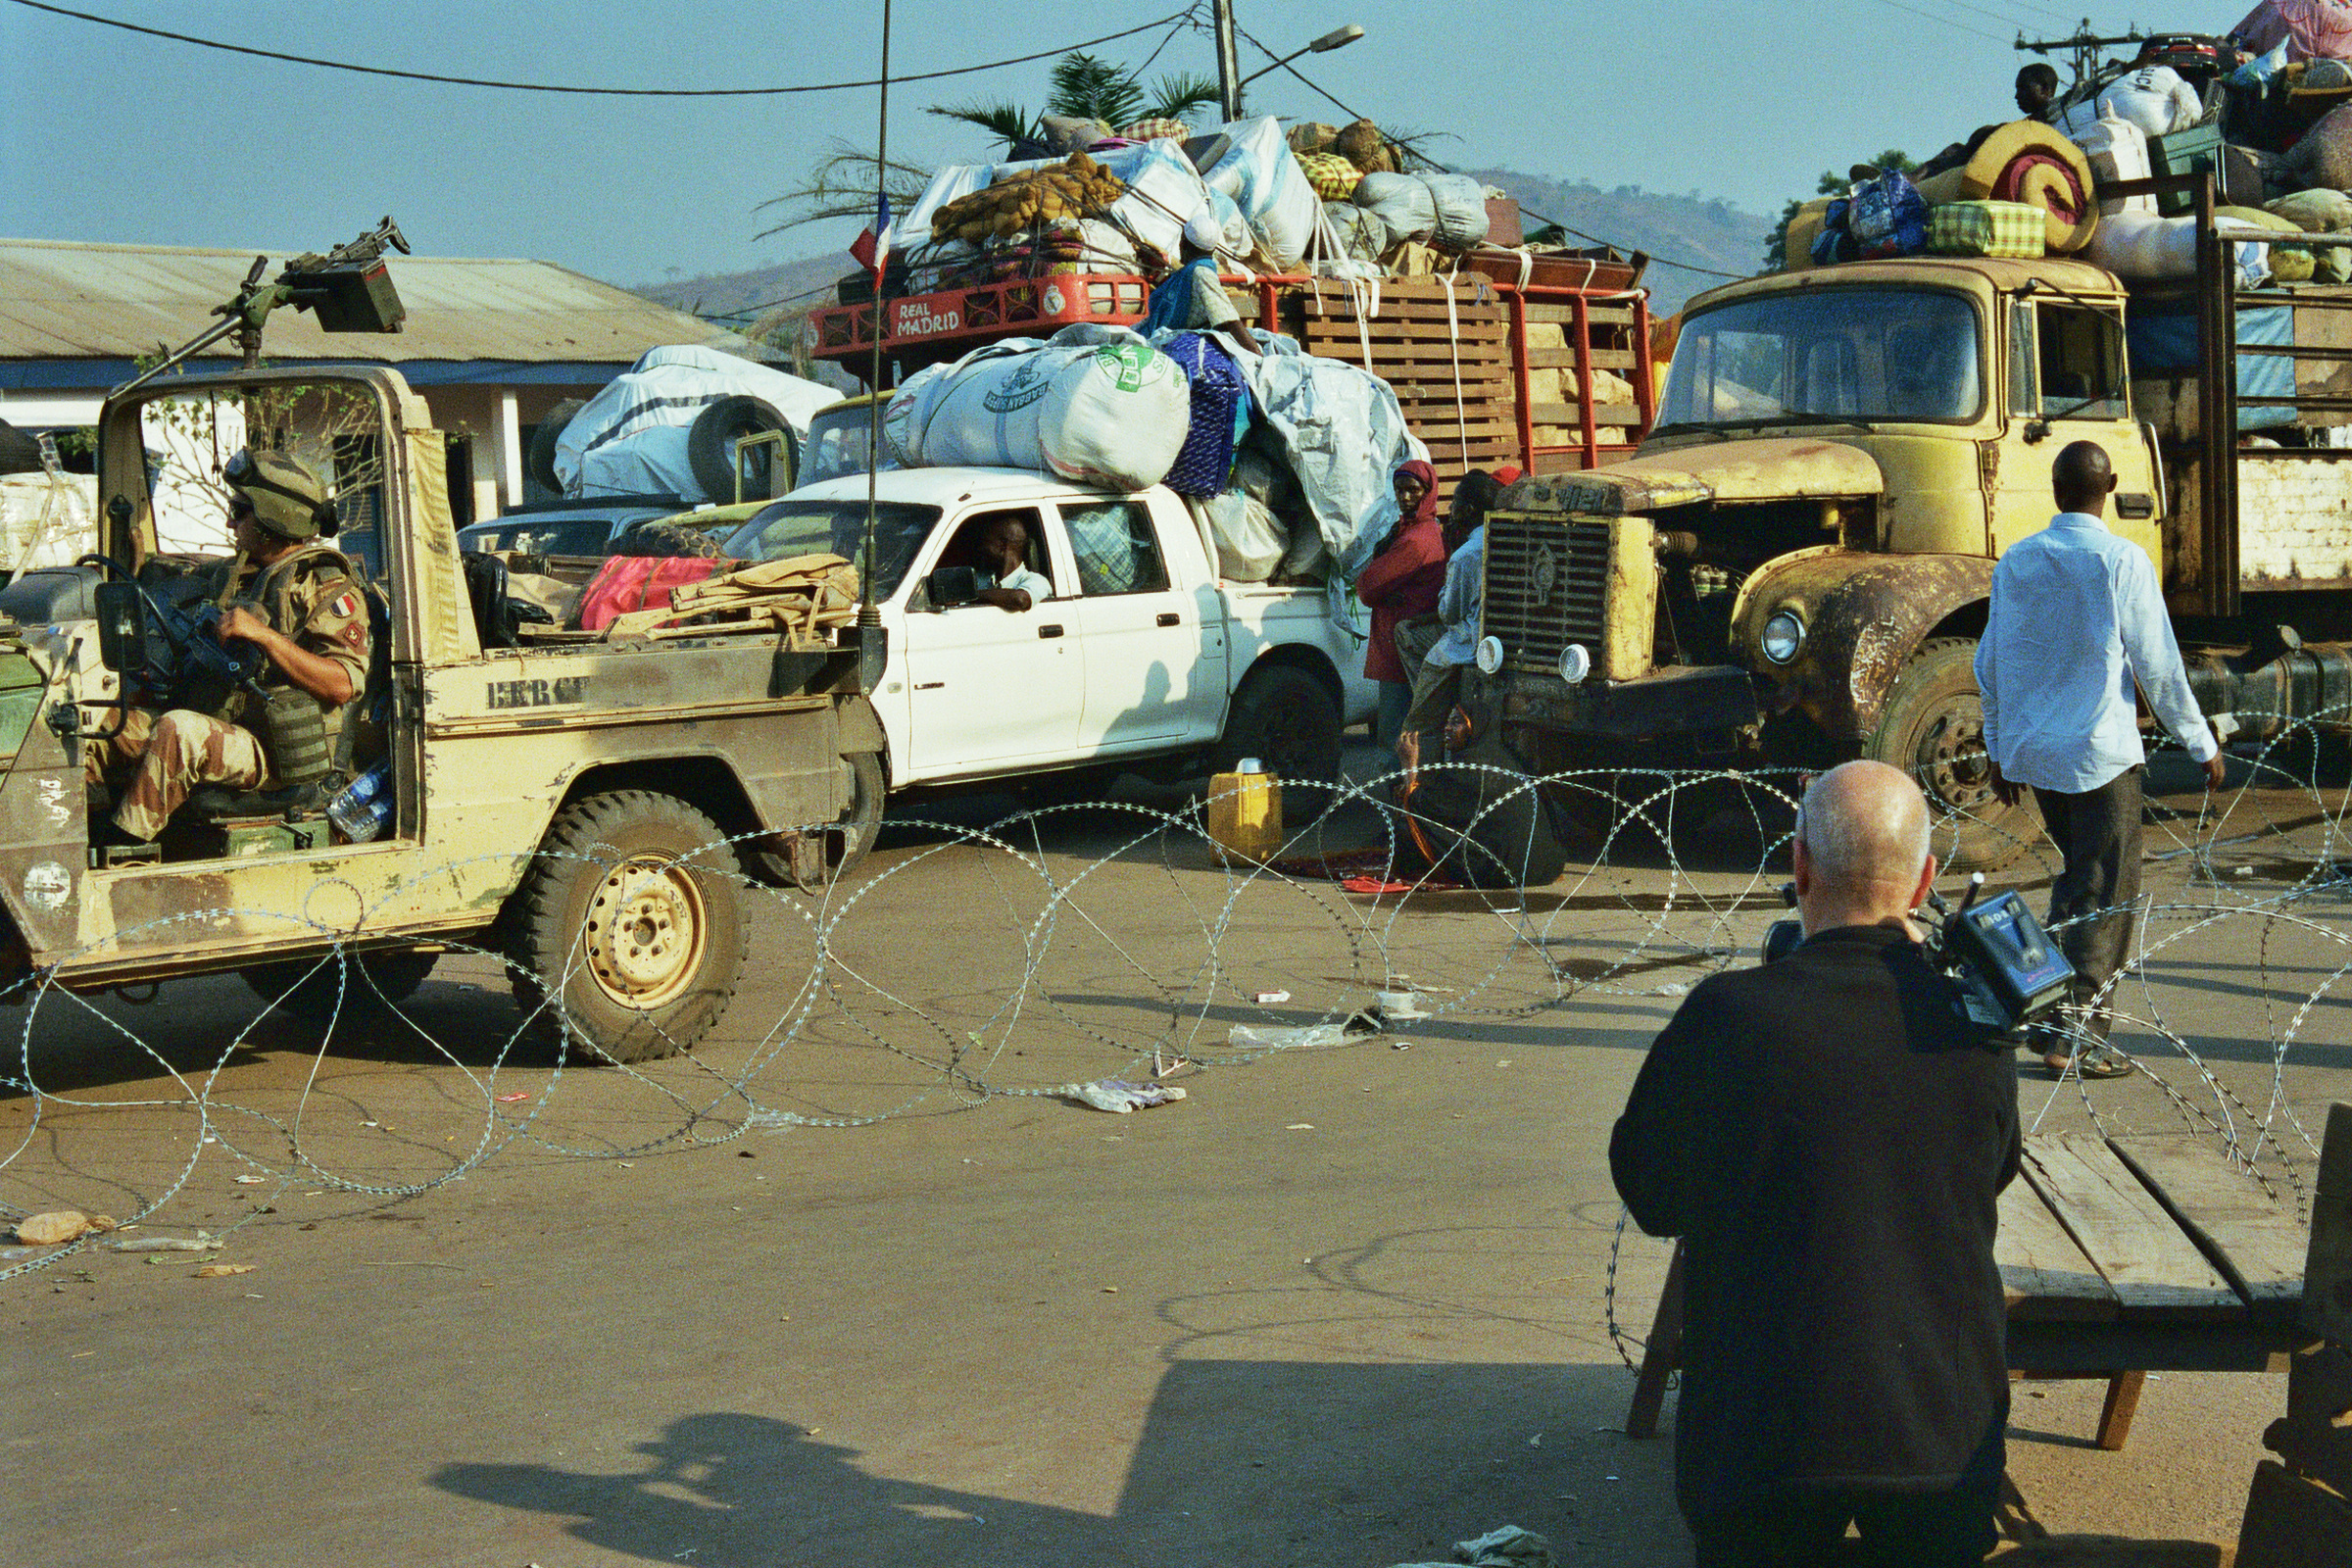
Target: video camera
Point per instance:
(2008, 971)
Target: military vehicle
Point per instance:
(1796, 567)
(585, 804)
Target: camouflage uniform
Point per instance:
(312, 597)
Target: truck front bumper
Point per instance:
(1709, 709)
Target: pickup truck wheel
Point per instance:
(628, 930)
(315, 990)
(1285, 718)
(1933, 730)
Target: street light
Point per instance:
(1230, 80)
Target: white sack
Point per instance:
(1262, 176)
(630, 439)
(1344, 434)
(1249, 542)
(1359, 229)
(1096, 406)
(2117, 151)
(1461, 209)
(1402, 202)
(2155, 99)
(2144, 248)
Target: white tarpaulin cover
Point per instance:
(1263, 178)
(1095, 405)
(1166, 200)
(1344, 435)
(631, 437)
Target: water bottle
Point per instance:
(363, 808)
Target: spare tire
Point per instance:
(710, 444)
(540, 462)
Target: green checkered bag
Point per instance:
(2012, 229)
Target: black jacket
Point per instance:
(1829, 1134)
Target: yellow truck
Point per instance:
(1795, 567)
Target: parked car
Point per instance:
(1141, 655)
(583, 528)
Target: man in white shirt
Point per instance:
(2077, 617)
(1005, 546)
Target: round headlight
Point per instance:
(1575, 663)
(1783, 636)
(1490, 654)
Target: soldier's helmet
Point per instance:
(286, 498)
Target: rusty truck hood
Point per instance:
(1729, 471)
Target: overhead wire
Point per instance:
(1959, 26)
(562, 88)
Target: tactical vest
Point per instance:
(274, 592)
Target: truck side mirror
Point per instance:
(121, 626)
(952, 585)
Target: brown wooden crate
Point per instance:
(1609, 414)
(1597, 314)
(1565, 360)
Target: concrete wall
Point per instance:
(2294, 512)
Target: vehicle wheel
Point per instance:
(861, 821)
(540, 462)
(628, 928)
(1287, 719)
(1933, 730)
(315, 990)
(711, 443)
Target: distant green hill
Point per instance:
(1683, 229)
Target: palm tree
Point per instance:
(1085, 86)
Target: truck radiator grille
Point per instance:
(1547, 585)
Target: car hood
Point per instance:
(1732, 472)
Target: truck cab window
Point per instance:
(1117, 552)
(2077, 362)
(969, 547)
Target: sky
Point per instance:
(109, 136)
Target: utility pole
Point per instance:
(2085, 46)
(1229, 64)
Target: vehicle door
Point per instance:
(1149, 675)
(989, 687)
(2066, 384)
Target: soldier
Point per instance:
(290, 595)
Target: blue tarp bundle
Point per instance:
(2169, 343)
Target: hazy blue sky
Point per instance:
(109, 136)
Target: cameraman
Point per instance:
(293, 598)
(1829, 1135)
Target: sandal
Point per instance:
(2098, 1060)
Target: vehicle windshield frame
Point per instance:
(895, 556)
(1844, 298)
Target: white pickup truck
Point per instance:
(1141, 657)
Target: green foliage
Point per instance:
(1086, 86)
(1831, 183)
(1177, 97)
(1007, 122)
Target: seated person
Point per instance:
(1006, 578)
(295, 599)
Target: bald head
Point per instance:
(1863, 832)
(2081, 477)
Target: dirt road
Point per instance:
(1342, 1305)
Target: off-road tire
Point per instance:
(1933, 729)
(652, 983)
(362, 984)
(540, 462)
(862, 822)
(1287, 719)
(710, 444)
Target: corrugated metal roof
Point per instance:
(61, 300)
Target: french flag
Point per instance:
(871, 249)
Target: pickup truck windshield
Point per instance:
(816, 527)
(1845, 353)
(836, 444)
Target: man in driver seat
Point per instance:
(290, 595)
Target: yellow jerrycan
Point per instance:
(1245, 813)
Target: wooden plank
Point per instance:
(1565, 314)
(1661, 1353)
(2043, 1273)
(1611, 414)
(1565, 359)
(1411, 327)
(2244, 1230)
(2115, 1416)
(2157, 1271)
(2292, 1523)
(2314, 1436)
(2327, 1268)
